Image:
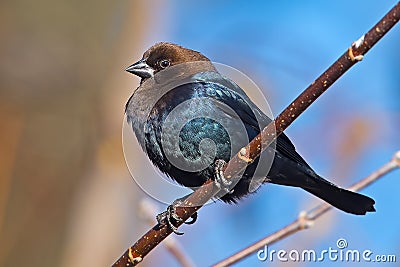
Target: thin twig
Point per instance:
(307, 219)
(198, 198)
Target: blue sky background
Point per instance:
(283, 46)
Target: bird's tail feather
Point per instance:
(340, 198)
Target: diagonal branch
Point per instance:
(198, 198)
(307, 219)
(148, 209)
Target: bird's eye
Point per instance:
(164, 63)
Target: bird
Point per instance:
(187, 117)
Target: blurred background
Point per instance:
(66, 196)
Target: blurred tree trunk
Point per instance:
(55, 61)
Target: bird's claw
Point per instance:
(170, 218)
(167, 217)
(220, 181)
(193, 219)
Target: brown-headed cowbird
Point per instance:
(186, 116)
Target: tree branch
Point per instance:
(148, 209)
(307, 219)
(198, 198)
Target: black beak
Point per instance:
(141, 69)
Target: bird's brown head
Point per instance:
(162, 56)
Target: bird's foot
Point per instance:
(220, 181)
(170, 218)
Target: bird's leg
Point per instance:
(171, 217)
(220, 181)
